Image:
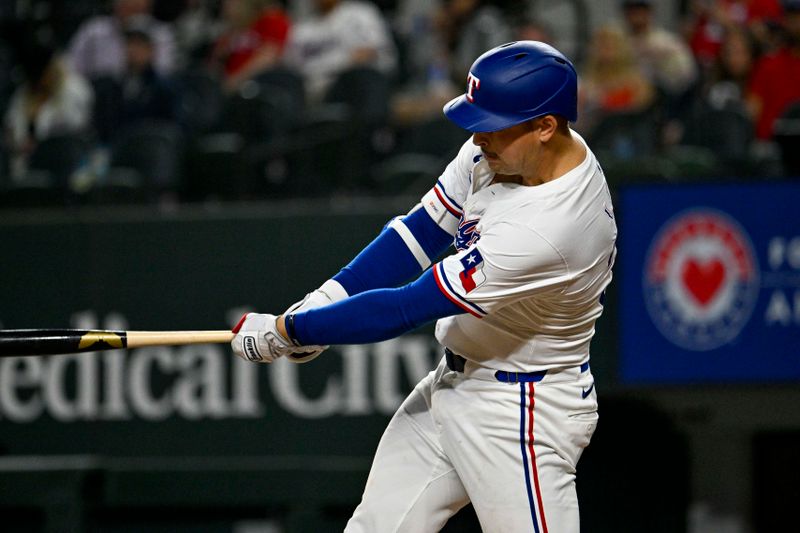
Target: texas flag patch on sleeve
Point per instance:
(458, 276)
(472, 276)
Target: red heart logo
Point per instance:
(703, 279)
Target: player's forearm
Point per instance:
(372, 316)
(403, 249)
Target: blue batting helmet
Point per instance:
(513, 83)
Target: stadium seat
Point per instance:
(59, 157)
(318, 157)
(36, 190)
(407, 173)
(121, 185)
(693, 162)
(787, 135)
(350, 129)
(153, 149)
(265, 107)
(200, 101)
(420, 154)
(287, 81)
(107, 102)
(437, 136)
(214, 168)
(728, 132)
(635, 169)
(626, 135)
(365, 91)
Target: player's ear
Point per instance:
(548, 125)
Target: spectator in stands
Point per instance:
(442, 39)
(421, 46)
(197, 27)
(140, 94)
(253, 39)
(663, 56)
(529, 28)
(52, 100)
(726, 83)
(775, 83)
(98, 47)
(425, 83)
(612, 81)
(470, 27)
(711, 20)
(146, 93)
(341, 34)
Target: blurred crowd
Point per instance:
(193, 100)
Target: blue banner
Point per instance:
(710, 283)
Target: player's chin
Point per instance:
(495, 164)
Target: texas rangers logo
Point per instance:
(701, 279)
(473, 84)
(467, 234)
(472, 276)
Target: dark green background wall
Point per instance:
(187, 439)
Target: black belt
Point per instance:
(456, 363)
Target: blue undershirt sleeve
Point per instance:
(387, 261)
(374, 315)
(430, 236)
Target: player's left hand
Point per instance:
(330, 292)
(311, 300)
(258, 339)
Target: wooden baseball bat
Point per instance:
(16, 342)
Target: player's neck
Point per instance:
(558, 156)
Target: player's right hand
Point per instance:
(330, 292)
(258, 339)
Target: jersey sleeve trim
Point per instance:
(448, 203)
(447, 289)
(410, 240)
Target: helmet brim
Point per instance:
(478, 120)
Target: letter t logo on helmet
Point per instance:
(473, 84)
(518, 81)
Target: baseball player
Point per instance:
(503, 419)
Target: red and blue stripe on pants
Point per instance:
(526, 440)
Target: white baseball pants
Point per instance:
(509, 448)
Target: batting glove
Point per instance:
(257, 339)
(330, 292)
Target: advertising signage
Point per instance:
(185, 271)
(710, 283)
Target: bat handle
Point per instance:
(138, 339)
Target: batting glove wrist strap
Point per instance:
(329, 292)
(289, 323)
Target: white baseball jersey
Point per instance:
(532, 263)
(531, 267)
